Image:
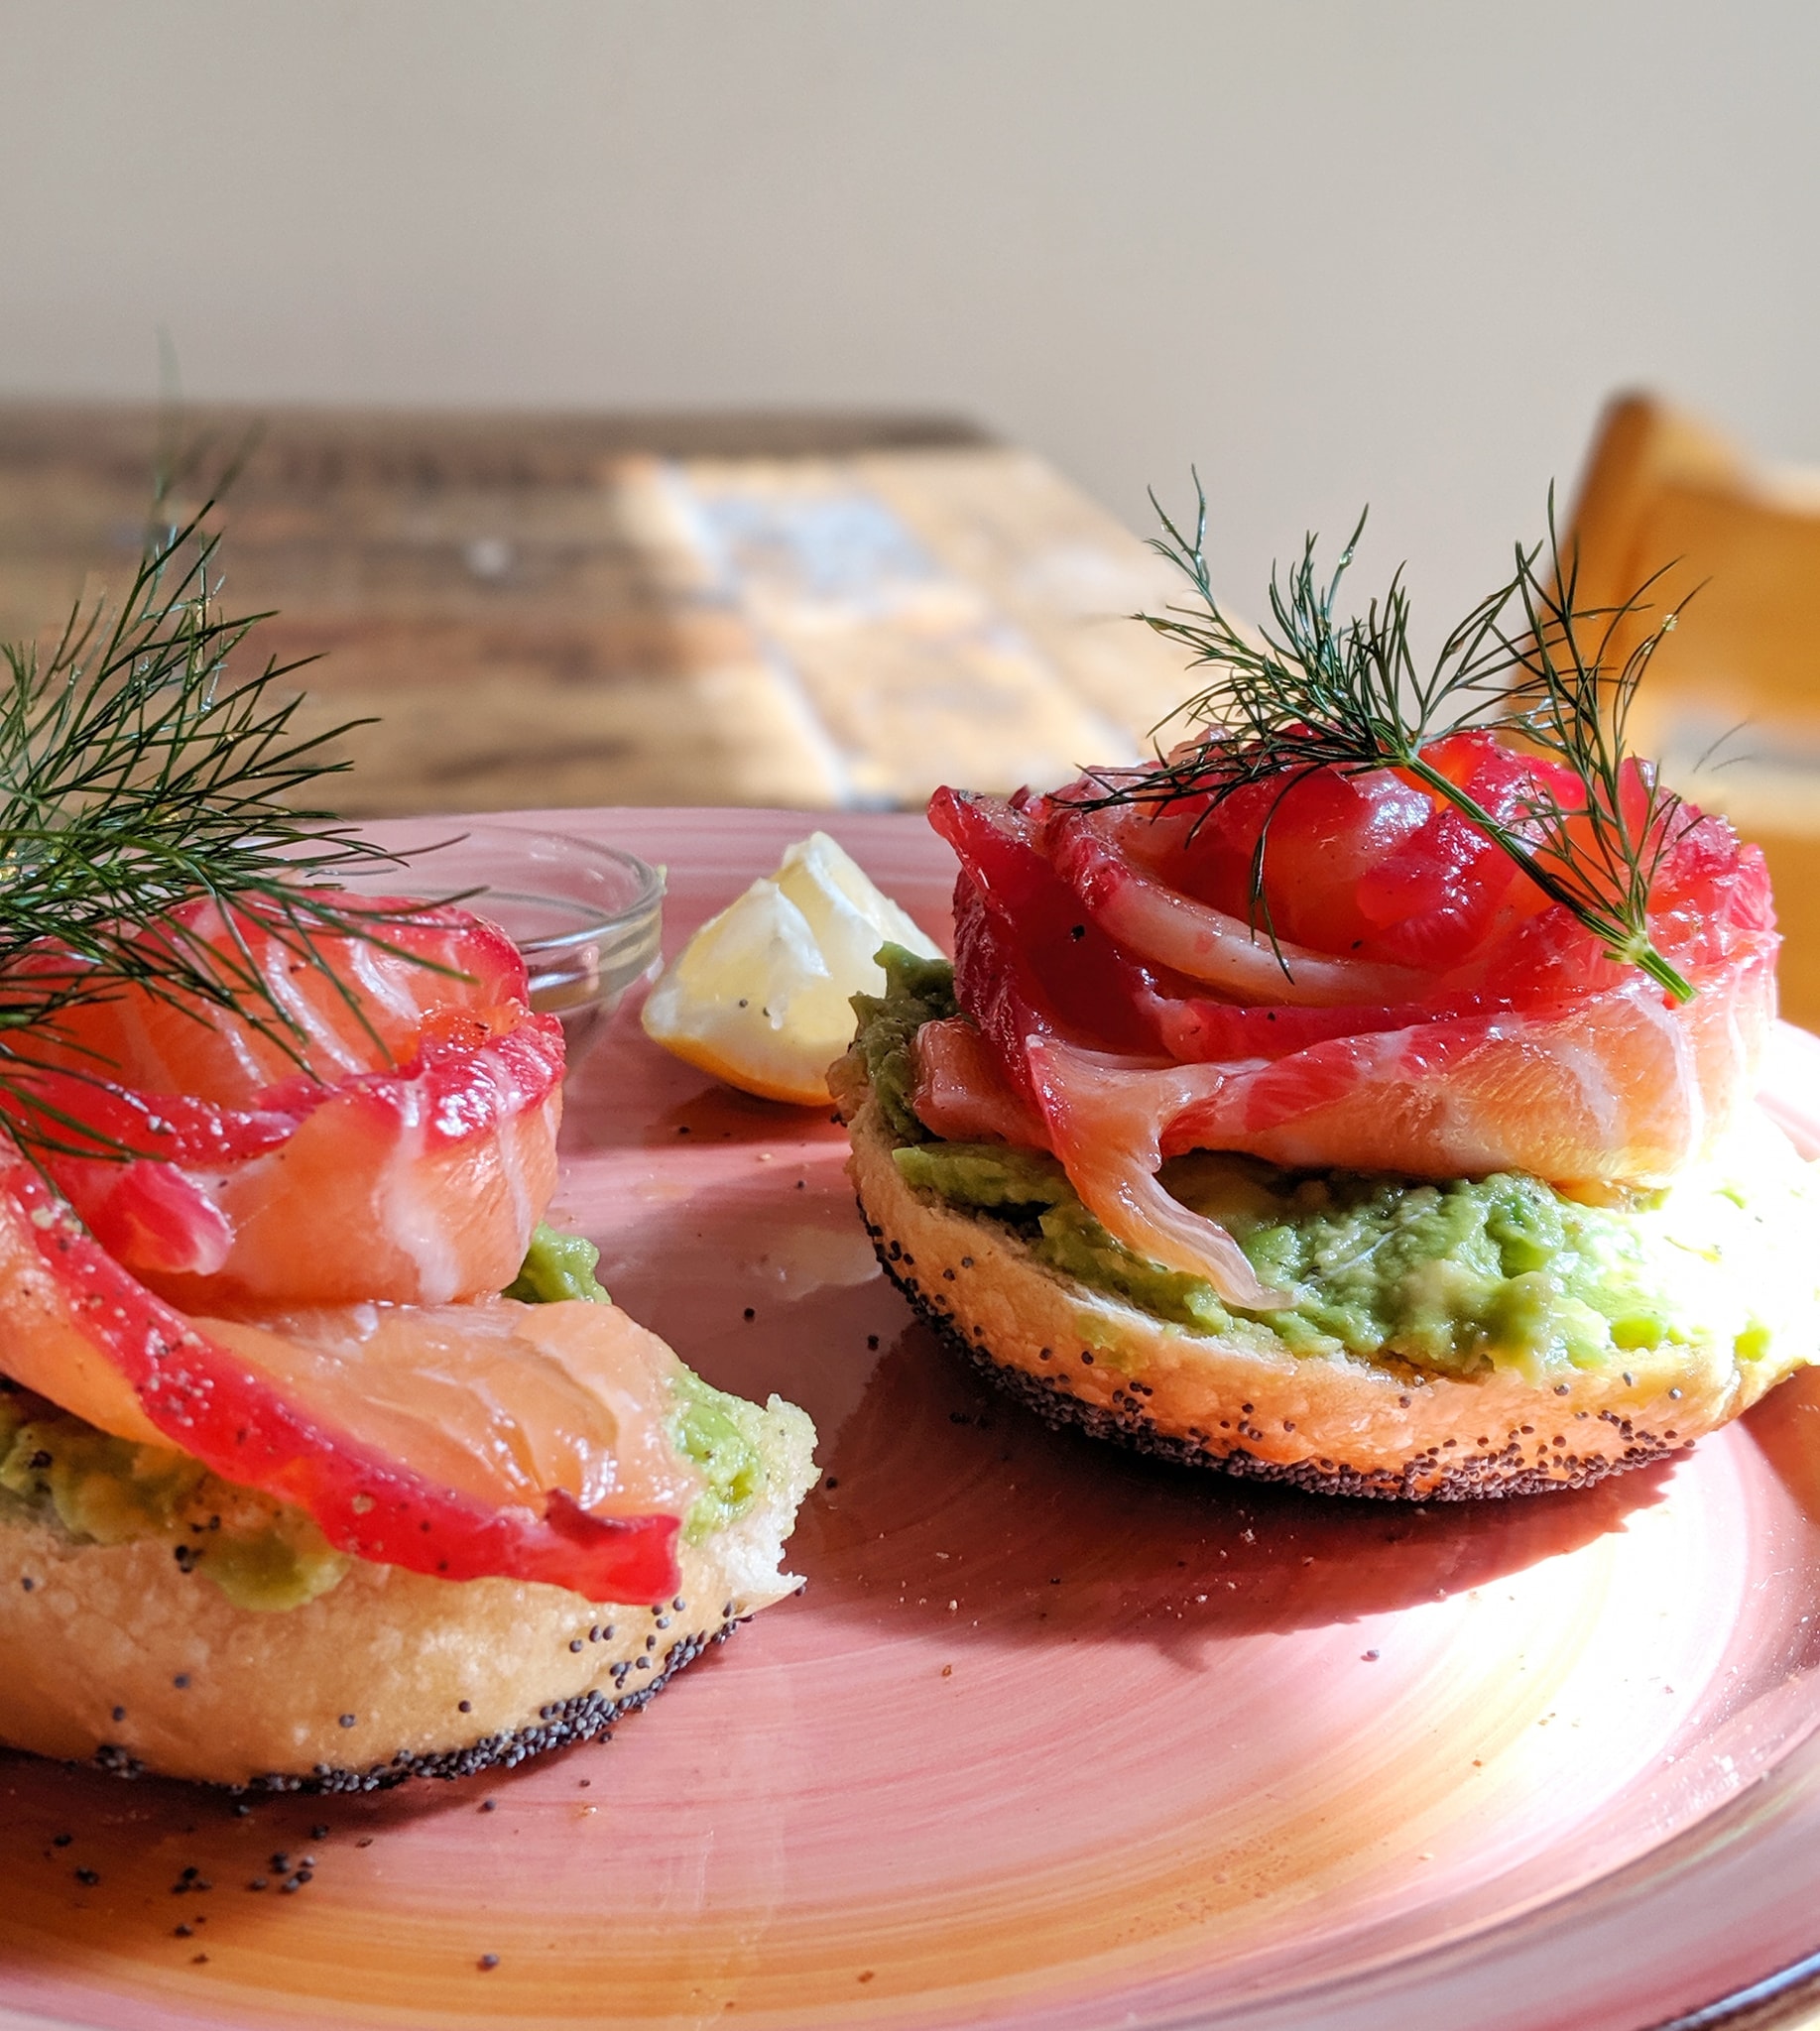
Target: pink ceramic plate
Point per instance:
(1054, 1737)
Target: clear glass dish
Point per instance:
(587, 917)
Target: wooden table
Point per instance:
(543, 609)
(534, 610)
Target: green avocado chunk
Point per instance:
(556, 1266)
(916, 991)
(1031, 1187)
(1446, 1276)
(724, 1436)
(1452, 1276)
(101, 1489)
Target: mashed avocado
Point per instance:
(916, 991)
(1453, 1276)
(724, 1436)
(556, 1266)
(101, 1489)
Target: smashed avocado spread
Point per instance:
(916, 991)
(101, 1489)
(725, 1437)
(556, 1266)
(1452, 1276)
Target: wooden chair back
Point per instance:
(1731, 700)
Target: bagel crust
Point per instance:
(117, 1655)
(1330, 1422)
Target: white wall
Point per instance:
(1335, 253)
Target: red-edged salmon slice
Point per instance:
(403, 1154)
(1423, 1010)
(461, 1441)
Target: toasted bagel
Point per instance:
(1333, 1422)
(120, 1655)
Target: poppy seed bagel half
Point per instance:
(119, 1655)
(1332, 1422)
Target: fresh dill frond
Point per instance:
(1310, 690)
(135, 776)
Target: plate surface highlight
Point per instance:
(1054, 1737)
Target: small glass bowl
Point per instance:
(589, 918)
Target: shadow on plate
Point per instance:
(939, 1490)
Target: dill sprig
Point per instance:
(1310, 691)
(136, 775)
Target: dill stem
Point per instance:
(1651, 961)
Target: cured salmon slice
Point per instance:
(461, 1441)
(1396, 996)
(398, 1144)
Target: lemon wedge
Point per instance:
(758, 996)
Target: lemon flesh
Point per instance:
(760, 995)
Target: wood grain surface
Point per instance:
(815, 610)
(825, 611)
